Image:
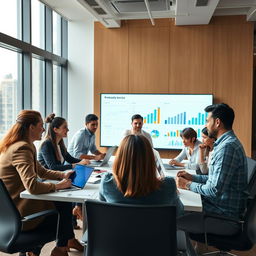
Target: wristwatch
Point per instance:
(188, 185)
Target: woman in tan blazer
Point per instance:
(19, 171)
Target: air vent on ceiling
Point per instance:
(135, 6)
(100, 11)
(91, 2)
(200, 3)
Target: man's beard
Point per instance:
(212, 134)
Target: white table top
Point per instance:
(191, 201)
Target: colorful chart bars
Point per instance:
(178, 119)
(152, 118)
(173, 133)
(199, 120)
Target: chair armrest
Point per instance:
(39, 214)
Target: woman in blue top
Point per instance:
(134, 179)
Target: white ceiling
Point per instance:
(185, 12)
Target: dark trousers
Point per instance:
(196, 223)
(65, 227)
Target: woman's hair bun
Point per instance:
(49, 118)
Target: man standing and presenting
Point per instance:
(137, 123)
(223, 190)
(83, 141)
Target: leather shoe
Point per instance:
(57, 251)
(74, 244)
(31, 254)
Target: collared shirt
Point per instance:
(192, 159)
(223, 190)
(82, 142)
(144, 133)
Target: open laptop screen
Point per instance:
(81, 175)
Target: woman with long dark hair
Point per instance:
(53, 153)
(20, 170)
(205, 151)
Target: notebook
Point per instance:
(104, 162)
(80, 175)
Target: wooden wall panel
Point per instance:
(191, 59)
(110, 63)
(148, 59)
(232, 81)
(215, 58)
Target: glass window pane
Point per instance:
(9, 85)
(56, 33)
(57, 90)
(38, 83)
(37, 23)
(10, 18)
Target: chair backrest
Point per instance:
(251, 177)
(121, 229)
(250, 221)
(10, 219)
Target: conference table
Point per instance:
(191, 201)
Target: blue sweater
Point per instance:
(166, 194)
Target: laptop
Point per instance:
(80, 175)
(104, 162)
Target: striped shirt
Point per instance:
(223, 190)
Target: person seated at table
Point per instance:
(189, 152)
(137, 124)
(135, 159)
(53, 153)
(205, 151)
(224, 189)
(134, 180)
(83, 141)
(20, 170)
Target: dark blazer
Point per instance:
(48, 159)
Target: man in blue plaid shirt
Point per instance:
(223, 190)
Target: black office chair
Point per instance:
(12, 238)
(242, 241)
(251, 177)
(121, 229)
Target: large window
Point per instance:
(38, 24)
(9, 87)
(10, 18)
(31, 76)
(57, 90)
(38, 82)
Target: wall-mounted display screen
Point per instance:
(164, 116)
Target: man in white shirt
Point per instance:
(137, 123)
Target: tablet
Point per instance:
(81, 175)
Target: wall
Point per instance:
(80, 71)
(215, 58)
